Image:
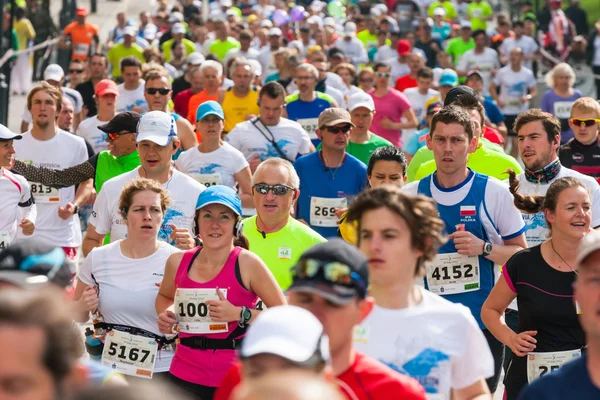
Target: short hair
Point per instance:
(419, 212)
(246, 34)
(241, 62)
(311, 69)
(272, 90)
(387, 153)
(425, 73)
(469, 102)
(478, 32)
(453, 115)
(102, 56)
(550, 122)
(130, 61)
(562, 68)
(293, 178)
(150, 52)
(351, 68)
(519, 24)
(53, 91)
(76, 61)
(176, 43)
(586, 104)
(217, 66)
(140, 185)
(381, 65)
(157, 74)
(366, 70)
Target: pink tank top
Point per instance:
(208, 367)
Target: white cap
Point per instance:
(149, 32)
(7, 134)
(314, 19)
(129, 30)
(177, 28)
(465, 24)
(195, 58)
(361, 99)
(175, 17)
(589, 244)
(328, 21)
(381, 7)
(54, 72)
(290, 332)
(156, 126)
(231, 13)
(256, 67)
(439, 11)
(350, 28)
(266, 23)
(226, 3)
(317, 6)
(275, 32)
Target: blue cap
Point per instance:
(210, 107)
(449, 77)
(219, 194)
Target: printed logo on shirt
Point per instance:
(467, 214)
(165, 229)
(427, 368)
(577, 157)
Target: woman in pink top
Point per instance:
(392, 109)
(214, 289)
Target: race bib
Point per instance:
(539, 364)
(208, 179)
(310, 125)
(3, 240)
(513, 102)
(284, 253)
(453, 273)
(192, 311)
(81, 49)
(322, 210)
(44, 194)
(130, 354)
(477, 13)
(562, 109)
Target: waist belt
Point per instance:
(161, 340)
(204, 343)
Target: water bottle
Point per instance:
(93, 345)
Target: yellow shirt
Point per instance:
(237, 108)
(25, 32)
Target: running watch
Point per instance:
(487, 249)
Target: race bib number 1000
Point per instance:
(453, 273)
(539, 364)
(322, 210)
(130, 354)
(192, 311)
(44, 194)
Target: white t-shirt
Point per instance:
(129, 98)
(436, 342)
(417, 102)
(183, 192)
(514, 85)
(265, 58)
(485, 62)
(64, 150)
(88, 129)
(397, 69)
(525, 43)
(73, 95)
(15, 204)
(215, 168)
(128, 288)
(289, 135)
(354, 49)
(384, 53)
(251, 54)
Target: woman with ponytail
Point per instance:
(541, 279)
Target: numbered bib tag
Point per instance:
(453, 273)
(513, 102)
(284, 253)
(310, 125)
(192, 311)
(539, 364)
(4, 240)
(322, 210)
(477, 13)
(81, 49)
(208, 179)
(44, 194)
(562, 109)
(130, 354)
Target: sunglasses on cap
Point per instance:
(585, 122)
(335, 130)
(76, 71)
(278, 190)
(333, 271)
(382, 74)
(162, 91)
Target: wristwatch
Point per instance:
(245, 317)
(487, 249)
(76, 211)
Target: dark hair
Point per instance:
(470, 102)
(452, 114)
(245, 34)
(550, 122)
(381, 65)
(240, 240)
(518, 23)
(419, 212)
(131, 61)
(272, 90)
(425, 73)
(102, 56)
(19, 12)
(387, 153)
(529, 204)
(175, 44)
(478, 32)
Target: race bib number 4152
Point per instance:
(130, 354)
(192, 311)
(453, 273)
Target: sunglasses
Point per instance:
(76, 71)
(365, 80)
(333, 271)
(586, 122)
(162, 91)
(278, 190)
(382, 74)
(335, 130)
(114, 136)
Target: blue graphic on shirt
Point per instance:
(100, 140)
(272, 151)
(165, 229)
(421, 368)
(518, 89)
(138, 103)
(208, 169)
(534, 221)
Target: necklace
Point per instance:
(563, 260)
(332, 170)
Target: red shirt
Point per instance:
(493, 135)
(181, 102)
(366, 379)
(405, 82)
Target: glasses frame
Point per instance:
(272, 188)
(582, 121)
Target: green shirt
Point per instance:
(119, 52)
(109, 166)
(280, 250)
(457, 47)
(483, 160)
(220, 49)
(364, 151)
(188, 45)
(478, 11)
(370, 39)
(447, 5)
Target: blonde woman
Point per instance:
(347, 72)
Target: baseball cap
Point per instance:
(129, 30)
(403, 47)
(106, 86)
(32, 264)
(439, 12)
(7, 134)
(156, 126)
(361, 99)
(455, 93)
(474, 72)
(465, 24)
(226, 3)
(328, 21)
(265, 23)
(125, 121)
(434, 107)
(448, 78)
(150, 32)
(210, 107)
(220, 194)
(589, 244)
(54, 72)
(315, 19)
(333, 116)
(256, 67)
(335, 52)
(195, 58)
(335, 270)
(275, 32)
(289, 332)
(177, 28)
(175, 17)
(81, 11)
(350, 28)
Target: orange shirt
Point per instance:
(81, 37)
(195, 102)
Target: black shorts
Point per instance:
(509, 120)
(193, 390)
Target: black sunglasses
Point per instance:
(162, 91)
(76, 71)
(335, 130)
(278, 190)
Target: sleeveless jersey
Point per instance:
(237, 108)
(582, 158)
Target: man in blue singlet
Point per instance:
(483, 226)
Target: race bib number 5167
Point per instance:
(130, 354)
